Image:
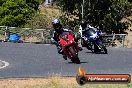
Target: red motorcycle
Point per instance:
(69, 46)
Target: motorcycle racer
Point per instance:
(58, 29)
(84, 26)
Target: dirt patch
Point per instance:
(2, 37)
(31, 39)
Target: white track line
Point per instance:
(5, 64)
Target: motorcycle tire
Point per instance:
(96, 49)
(90, 47)
(77, 61)
(75, 58)
(104, 49)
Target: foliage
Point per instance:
(17, 12)
(38, 21)
(43, 18)
(107, 14)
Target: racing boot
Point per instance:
(80, 48)
(65, 57)
(59, 50)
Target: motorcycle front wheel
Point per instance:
(74, 58)
(100, 48)
(104, 49)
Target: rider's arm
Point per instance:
(52, 37)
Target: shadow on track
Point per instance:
(75, 63)
(96, 53)
(89, 52)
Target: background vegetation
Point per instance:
(105, 14)
(17, 12)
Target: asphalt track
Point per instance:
(40, 60)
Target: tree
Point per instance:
(17, 12)
(107, 14)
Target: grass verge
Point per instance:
(53, 82)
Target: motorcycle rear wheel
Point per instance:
(104, 49)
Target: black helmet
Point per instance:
(56, 23)
(83, 23)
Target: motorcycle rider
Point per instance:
(58, 28)
(84, 26)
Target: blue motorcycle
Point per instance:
(92, 40)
